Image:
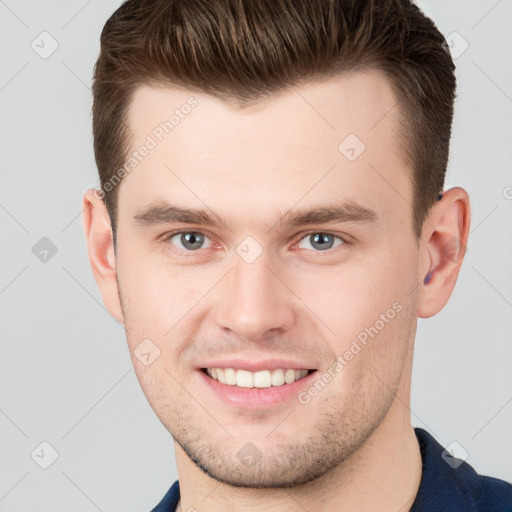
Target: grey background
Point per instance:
(65, 373)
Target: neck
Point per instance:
(382, 475)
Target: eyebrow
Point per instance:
(162, 212)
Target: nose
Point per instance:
(255, 301)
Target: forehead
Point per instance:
(357, 101)
(338, 137)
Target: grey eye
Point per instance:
(322, 241)
(190, 240)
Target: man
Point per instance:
(270, 226)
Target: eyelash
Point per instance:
(189, 253)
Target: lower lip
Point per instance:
(256, 397)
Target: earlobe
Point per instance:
(444, 243)
(100, 247)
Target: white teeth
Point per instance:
(277, 377)
(220, 376)
(230, 375)
(260, 379)
(289, 376)
(244, 379)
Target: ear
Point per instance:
(443, 245)
(100, 246)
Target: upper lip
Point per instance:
(254, 366)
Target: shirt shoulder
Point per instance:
(449, 484)
(495, 495)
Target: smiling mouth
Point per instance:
(261, 379)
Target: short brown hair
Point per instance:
(242, 51)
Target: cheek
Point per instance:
(162, 392)
(155, 296)
(162, 309)
(362, 308)
(349, 297)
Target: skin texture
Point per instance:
(351, 447)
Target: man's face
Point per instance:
(256, 291)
